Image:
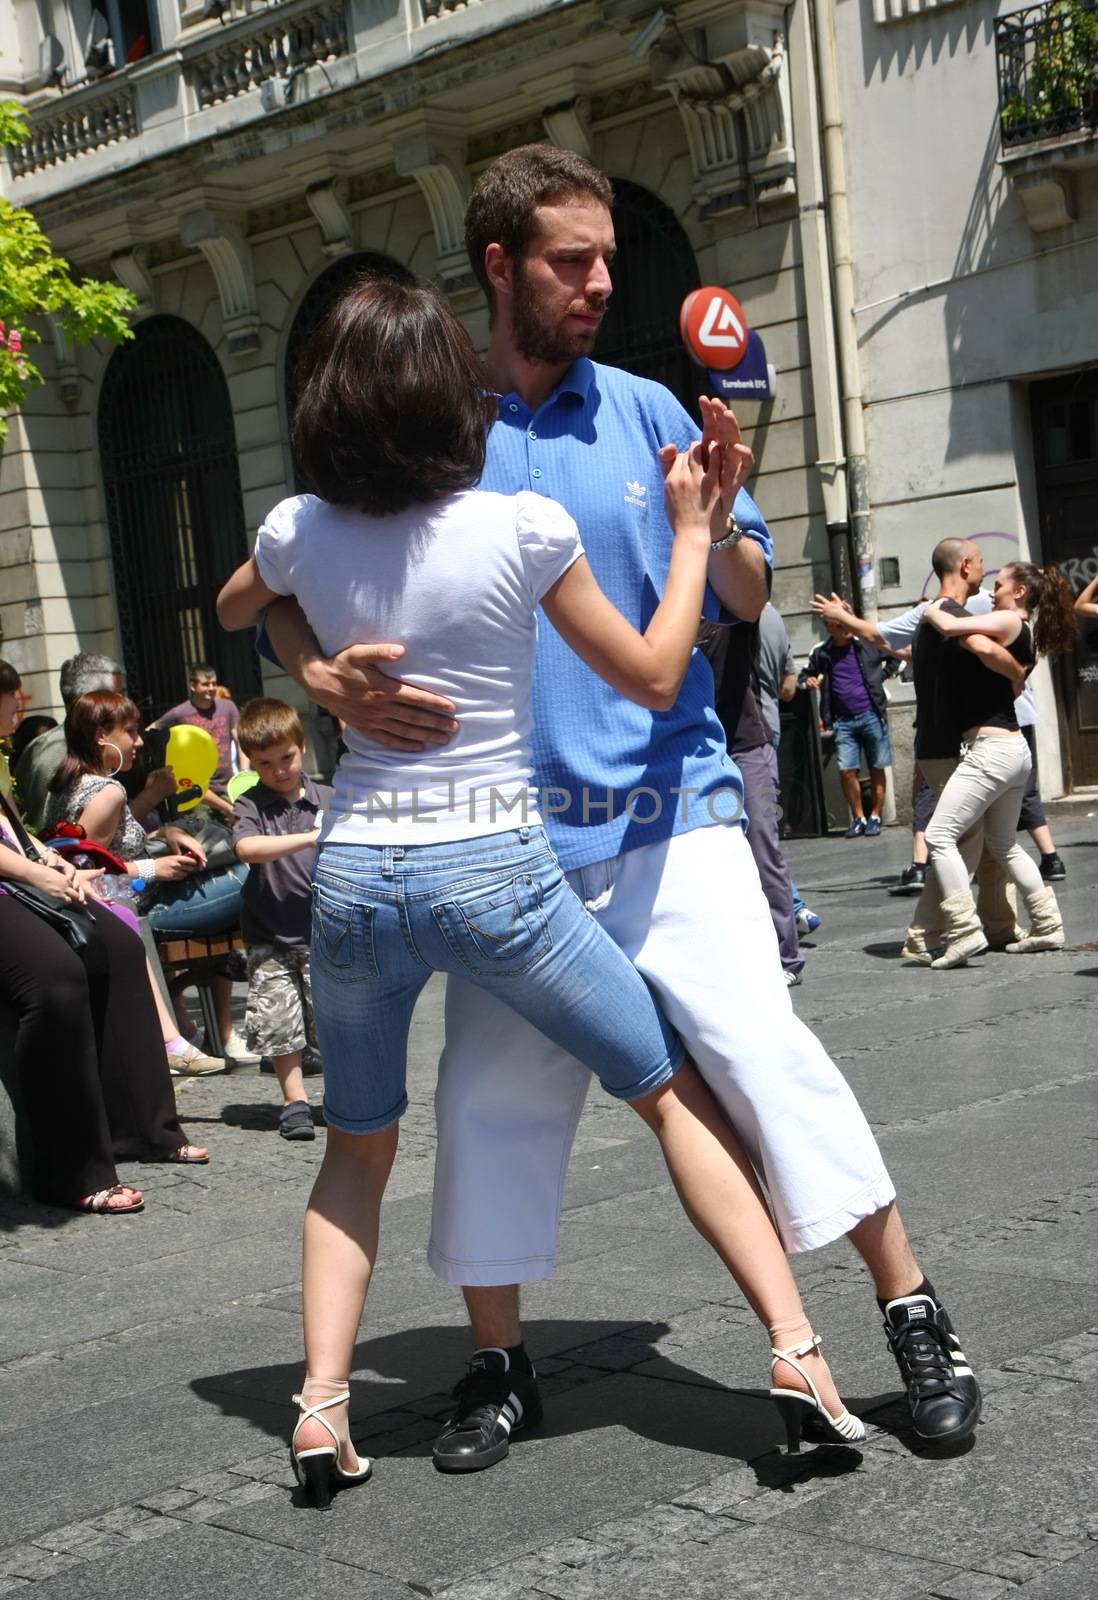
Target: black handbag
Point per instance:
(71, 920)
(68, 917)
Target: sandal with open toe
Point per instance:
(190, 1155)
(320, 1469)
(796, 1407)
(99, 1203)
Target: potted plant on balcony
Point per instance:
(1062, 75)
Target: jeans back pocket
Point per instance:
(343, 937)
(496, 933)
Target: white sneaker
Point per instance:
(236, 1051)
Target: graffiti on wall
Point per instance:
(1081, 570)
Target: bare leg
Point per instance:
(720, 1193)
(494, 1314)
(1042, 838)
(169, 1028)
(876, 790)
(919, 853)
(290, 1079)
(340, 1248)
(881, 1241)
(222, 989)
(852, 790)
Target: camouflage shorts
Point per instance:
(279, 1016)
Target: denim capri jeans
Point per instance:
(494, 910)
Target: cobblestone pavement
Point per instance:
(146, 1363)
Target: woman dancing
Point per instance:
(1033, 616)
(437, 861)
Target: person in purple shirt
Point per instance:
(849, 675)
(218, 717)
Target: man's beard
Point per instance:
(534, 338)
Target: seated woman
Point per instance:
(102, 736)
(88, 1055)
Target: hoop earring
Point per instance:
(113, 773)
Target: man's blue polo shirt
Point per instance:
(613, 776)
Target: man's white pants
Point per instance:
(690, 914)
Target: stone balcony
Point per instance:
(217, 76)
(1047, 58)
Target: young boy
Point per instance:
(849, 675)
(277, 823)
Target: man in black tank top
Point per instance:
(951, 692)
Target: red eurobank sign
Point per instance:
(715, 331)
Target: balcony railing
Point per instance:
(1048, 70)
(267, 44)
(94, 117)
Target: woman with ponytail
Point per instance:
(1033, 615)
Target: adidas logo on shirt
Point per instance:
(636, 494)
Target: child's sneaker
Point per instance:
(295, 1121)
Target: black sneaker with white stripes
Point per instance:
(942, 1393)
(493, 1402)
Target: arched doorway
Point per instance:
(168, 454)
(338, 277)
(654, 271)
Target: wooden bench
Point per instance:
(195, 962)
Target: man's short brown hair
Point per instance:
(264, 723)
(392, 408)
(506, 195)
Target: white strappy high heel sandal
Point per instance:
(318, 1468)
(792, 1403)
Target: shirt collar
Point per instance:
(272, 800)
(577, 381)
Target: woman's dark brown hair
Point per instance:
(10, 680)
(1049, 594)
(392, 406)
(90, 714)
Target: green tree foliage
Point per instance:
(34, 281)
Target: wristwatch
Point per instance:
(733, 536)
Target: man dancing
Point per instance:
(644, 813)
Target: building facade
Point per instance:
(924, 291)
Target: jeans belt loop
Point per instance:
(524, 834)
(387, 861)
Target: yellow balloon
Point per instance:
(192, 756)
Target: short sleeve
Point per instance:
(898, 632)
(275, 544)
(246, 820)
(548, 541)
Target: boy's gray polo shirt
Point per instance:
(275, 904)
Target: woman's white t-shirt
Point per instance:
(457, 583)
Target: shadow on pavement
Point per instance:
(395, 1411)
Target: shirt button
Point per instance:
(512, 406)
(532, 434)
(535, 472)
